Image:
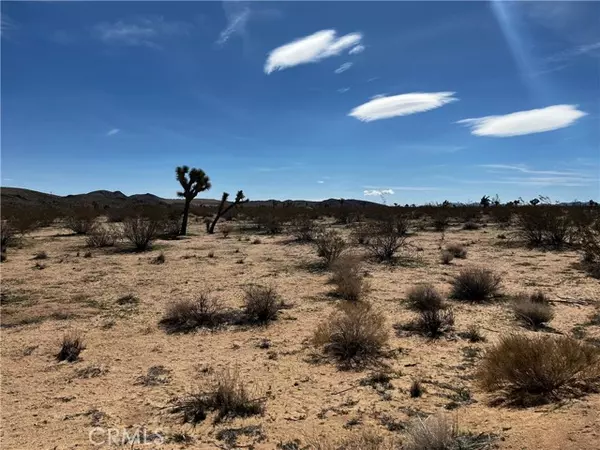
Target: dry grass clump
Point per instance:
(434, 323)
(158, 259)
(228, 396)
(261, 304)
(424, 297)
(529, 369)
(71, 347)
(475, 284)
(457, 250)
(364, 440)
(354, 335)
(416, 389)
(330, 246)
(473, 334)
(40, 255)
(102, 236)
(440, 433)
(347, 276)
(185, 316)
(534, 311)
(446, 257)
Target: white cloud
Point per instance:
(356, 50)
(379, 192)
(113, 132)
(401, 105)
(309, 49)
(524, 176)
(343, 90)
(402, 188)
(139, 32)
(525, 122)
(320, 182)
(343, 67)
(523, 169)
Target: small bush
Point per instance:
(457, 250)
(140, 231)
(385, 242)
(354, 335)
(188, 315)
(226, 230)
(533, 368)
(256, 241)
(471, 226)
(158, 259)
(102, 237)
(40, 255)
(228, 397)
(350, 284)
(416, 389)
(475, 284)
(434, 323)
(81, 221)
(424, 297)
(330, 245)
(533, 314)
(439, 433)
(7, 237)
(446, 257)
(70, 349)
(590, 244)
(539, 297)
(303, 229)
(441, 221)
(261, 304)
(473, 334)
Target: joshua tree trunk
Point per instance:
(184, 221)
(239, 198)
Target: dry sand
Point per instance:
(46, 405)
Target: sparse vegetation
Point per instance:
(102, 236)
(416, 388)
(475, 284)
(184, 316)
(457, 250)
(159, 259)
(192, 182)
(446, 257)
(330, 246)
(347, 276)
(81, 221)
(528, 369)
(140, 231)
(71, 347)
(354, 335)
(424, 297)
(261, 304)
(534, 314)
(385, 242)
(437, 432)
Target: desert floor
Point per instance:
(48, 404)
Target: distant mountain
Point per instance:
(19, 197)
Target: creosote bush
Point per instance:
(184, 316)
(354, 335)
(531, 313)
(102, 236)
(475, 284)
(457, 250)
(140, 231)
(529, 369)
(385, 241)
(228, 396)
(261, 304)
(347, 276)
(330, 245)
(424, 297)
(71, 347)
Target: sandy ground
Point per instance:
(47, 405)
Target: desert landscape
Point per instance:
(99, 336)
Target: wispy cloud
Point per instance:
(320, 182)
(380, 192)
(523, 169)
(6, 25)
(401, 105)
(525, 122)
(520, 174)
(343, 90)
(392, 189)
(310, 49)
(238, 14)
(356, 49)
(343, 67)
(113, 132)
(139, 31)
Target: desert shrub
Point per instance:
(590, 245)
(228, 396)
(533, 314)
(416, 389)
(424, 297)
(446, 257)
(270, 223)
(434, 322)
(71, 347)
(159, 259)
(440, 433)
(184, 316)
(7, 237)
(441, 221)
(347, 277)
(330, 246)
(473, 334)
(539, 297)
(81, 221)
(261, 304)
(385, 242)
(471, 226)
(363, 440)
(140, 231)
(457, 250)
(533, 368)
(303, 229)
(354, 335)
(102, 236)
(475, 284)
(546, 225)
(40, 255)
(170, 227)
(361, 233)
(225, 230)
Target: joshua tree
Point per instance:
(239, 198)
(485, 201)
(196, 182)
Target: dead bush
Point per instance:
(184, 316)
(347, 276)
(528, 369)
(457, 250)
(475, 284)
(544, 225)
(330, 245)
(424, 297)
(531, 313)
(102, 236)
(261, 304)
(71, 347)
(140, 231)
(228, 396)
(385, 242)
(354, 335)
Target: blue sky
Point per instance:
(420, 101)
